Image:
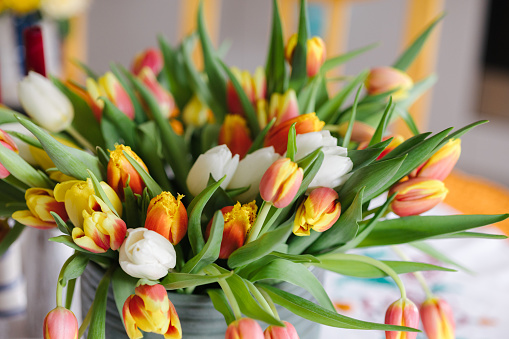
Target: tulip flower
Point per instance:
(109, 87)
(319, 211)
(250, 171)
(361, 132)
(280, 183)
(402, 312)
(150, 310)
(167, 216)
(278, 135)
(151, 58)
(60, 323)
(254, 86)
(101, 230)
(440, 164)
(235, 134)
(244, 328)
(262, 107)
(77, 196)
(164, 98)
(437, 319)
(416, 196)
(279, 332)
(146, 254)
(217, 161)
(396, 141)
(44, 103)
(283, 106)
(40, 203)
(238, 220)
(315, 56)
(384, 79)
(196, 113)
(6, 141)
(120, 171)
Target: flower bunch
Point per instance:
(175, 179)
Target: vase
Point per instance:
(198, 317)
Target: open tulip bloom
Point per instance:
(228, 199)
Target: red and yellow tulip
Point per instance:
(151, 58)
(440, 164)
(384, 79)
(402, 312)
(244, 328)
(167, 216)
(120, 171)
(6, 141)
(437, 319)
(416, 196)
(319, 211)
(280, 183)
(60, 323)
(164, 98)
(235, 134)
(279, 332)
(108, 86)
(315, 56)
(254, 86)
(283, 106)
(40, 202)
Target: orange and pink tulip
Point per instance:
(60, 323)
(6, 141)
(283, 106)
(280, 183)
(315, 56)
(384, 79)
(151, 58)
(235, 134)
(164, 98)
(150, 310)
(402, 312)
(244, 328)
(437, 319)
(279, 332)
(167, 216)
(254, 86)
(440, 164)
(319, 211)
(120, 171)
(416, 196)
(40, 202)
(109, 87)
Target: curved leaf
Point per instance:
(176, 280)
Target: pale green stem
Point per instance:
(84, 142)
(227, 291)
(418, 275)
(260, 298)
(60, 287)
(86, 322)
(270, 302)
(70, 293)
(257, 227)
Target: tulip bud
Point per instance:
(44, 103)
(280, 183)
(235, 134)
(40, 203)
(196, 113)
(442, 162)
(108, 86)
(396, 141)
(361, 132)
(319, 211)
(278, 135)
(437, 319)
(237, 223)
(384, 79)
(101, 230)
(60, 323)
(279, 332)
(315, 56)
(164, 98)
(416, 196)
(120, 171)
(151, 58)
(244, 328)
(254, 86)
(283, 106)
(150, 310)
(6, 141)
(402, 312)
(167, 216)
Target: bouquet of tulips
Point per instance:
(221, 182)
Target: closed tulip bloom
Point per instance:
(384, 79)
(235, 134)
(6, 141)
(164, 98)
(167, 216)
(254, 86)
(315, 56)
(319, 211)
(60, 323)
(402, 312)
(279, 332)
(283, 106)
(77, 196)
(238, 220)
(217, 161)
(151, 58)
(108, 86)
(146, 254)
(244, 328)
(361, 132)
(196, 113)
(278, 135)
(280, 183)
(416, 196)
(150, 310)
(250, 171)
(440, 165)
(437, 319)
(120, 171)
(40, 203)
(395, 142)
(44, 103)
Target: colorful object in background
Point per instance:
(437, 319)
(402, 312)
(60, 323)
(34, 50)
(151, 58)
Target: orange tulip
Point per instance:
(319, 211)
(315, 56)
(416, 196)
(244, 328)
(254, 86)
(235, 134)
(402, 312)
(151, 58)
(167, 216)
(6, 141)
(60, 323)
(280, 183)
(437, 319)
(40, 202)
(120, 171)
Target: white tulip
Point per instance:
(63, 9)
(146, 254)
(250, 172)
(308, 142)
(217, 162)
(23, 147)
(44, 103)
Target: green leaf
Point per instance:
(25, 138)
(299, 57)
(67, 240)
(380, 130)
(62, 226)
(210, 252)
(409, 121)
(364, 157)
(433, 252)
(152, 186)
(176, 280)
(7, 115)
(475, 235)
(348, 133)
(417, 91)
(292, 145)
(139, 111)
(11, 237)
(341, 59)
(88, 71)
(408, 56)
(123, 286)
(298, 244)
(307, 96)
(221, 304)
(132, 214)
(122, 123)
(74, 268)
(275, 68)
(308, 310)
(461, 132)
(408, 229)
(101, 194)
(407, 145)
(260, 138)
(97, 329)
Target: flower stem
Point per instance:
(70, 293)
(418, 275)
(60, 287)
(86, 321)
(227, 291)
(257, 227)
(84, 142)
(261, 299)
(270, 302)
